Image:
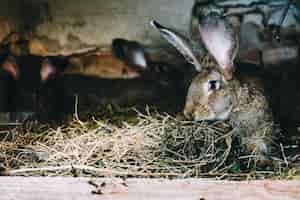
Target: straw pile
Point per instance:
(152, 145)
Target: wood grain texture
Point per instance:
(67, 188)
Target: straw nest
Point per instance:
(151, 145)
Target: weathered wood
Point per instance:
(65, 188)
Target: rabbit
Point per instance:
(24, 80)
(102, 64)
(149, 63)
(219, 92)
(141, 60)
(7, 85)
(157, 81)
(44, 89)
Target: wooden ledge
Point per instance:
(67, 188)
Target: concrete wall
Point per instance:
(73, 24)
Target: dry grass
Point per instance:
(154, 145)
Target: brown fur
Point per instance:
(101, 64)
(217, 93)
(249, 113)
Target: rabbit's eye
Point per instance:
(214, 85)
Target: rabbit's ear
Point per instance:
(11, 66)
(179, 42)
(47, 69)
(130, 52)
(220, 39)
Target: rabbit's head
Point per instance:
(136, 56)
(209, 95)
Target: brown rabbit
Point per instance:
(218, 94)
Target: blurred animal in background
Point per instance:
(23, 82)
(101, 64)
(45, 86)
(7, 88)
(138, 58)
(156, 83)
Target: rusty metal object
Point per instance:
(280, 54)
(271, 55)
(13, 119)
(276, 31)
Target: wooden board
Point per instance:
(65, 188)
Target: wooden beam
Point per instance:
(67, 188)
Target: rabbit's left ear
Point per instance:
(131, 52)
(179, 42)
(221, 40)
(10, 65)
(47, 69)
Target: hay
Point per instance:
(155, 145)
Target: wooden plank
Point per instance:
(67, 188)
